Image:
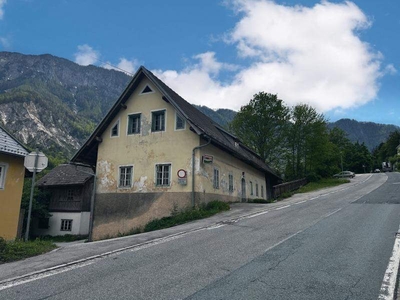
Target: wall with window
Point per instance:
(150, 144)
(223, 177)
(62, 223)
(12, 172)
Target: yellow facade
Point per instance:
(146, 149)
(10, 195)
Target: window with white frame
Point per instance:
(179, 122)
(158, 121)
(216, 179)
(134, 123)
(163, 174)
(66, 225)
(125, 176)
(251, 188)
(230, 182)
(256, 189)
(115, 130)
(3, 169)
(262, 191)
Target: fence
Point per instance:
(288, 187)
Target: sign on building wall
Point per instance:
(207, 159)
(182, 177)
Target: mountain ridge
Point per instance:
(54, 104)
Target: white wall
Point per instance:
(80, 224)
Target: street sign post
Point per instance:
(35, 162)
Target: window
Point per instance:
(163, 173)
(2, 176)
(262, 192)
(125, 176)
(70, 195)
(251, 188)
(115, 129)
(179, 122)
(66, 225)
(216, 179)
(256, 189)
(158, 121)
(134, 124)
(230, 183)
(147, 90)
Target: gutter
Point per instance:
(193, 168)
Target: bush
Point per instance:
(16, 250)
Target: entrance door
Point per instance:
(243, 190)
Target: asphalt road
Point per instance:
(335, 246)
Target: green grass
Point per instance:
(63, 238)
(322, 184)
(17, 250)
(201, 212)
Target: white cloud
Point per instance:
(124, 65)
(390, 69)
(86, 55)
(310, 55)
(2, 3)
(5, 43)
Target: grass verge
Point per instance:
(322, 184)
(201, 212)
(17, 250)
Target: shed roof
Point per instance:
(66, 174)
(10, 145)
(199, 123)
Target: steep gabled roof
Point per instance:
(199, 123)
(66, 174)
(10, 145)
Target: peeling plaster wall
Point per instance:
(10, 196)
(227, 164)
(119, 210)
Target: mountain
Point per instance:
(52, 103)
(369, 133)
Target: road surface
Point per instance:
(334, 246)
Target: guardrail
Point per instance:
(288, 187)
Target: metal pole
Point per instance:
(193, 169)
(31, 197)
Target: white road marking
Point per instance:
(389, 280)
(279, 208)
(256, 215)
(300, 202)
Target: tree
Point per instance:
(308, 143)
(261, 125)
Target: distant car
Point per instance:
(345, 174)
(377, 171)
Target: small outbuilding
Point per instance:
(70, 187)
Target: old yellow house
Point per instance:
(155, 153)
(12, 173)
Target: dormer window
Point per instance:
(147, 90)
(179, 122)
(158, 121)
(115, 130)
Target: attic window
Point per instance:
(147, 90)
(115, 130)
(180, 122)
(236, 144)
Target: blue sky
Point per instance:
(340, 57)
